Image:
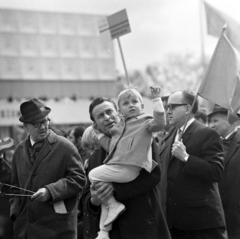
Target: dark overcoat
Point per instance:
(189, 191)
(58, 168)
(143, 217)
(229, 188)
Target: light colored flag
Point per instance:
(221, 82)
(215, 21)
(6, 145)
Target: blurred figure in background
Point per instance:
(6, 230)
(75, 136)
(89, 142)
(201, 117)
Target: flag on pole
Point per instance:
(6, 145)
(221, 82)
(215, 21)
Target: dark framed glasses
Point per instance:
(173, 106)
(38, 125)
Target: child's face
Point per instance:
(130, 105)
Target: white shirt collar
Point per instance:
(187, 125)
(32, 142)
(237, 127)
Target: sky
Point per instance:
(158, 27)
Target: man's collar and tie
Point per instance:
(34, 148)
(228, 139)
(180, 131)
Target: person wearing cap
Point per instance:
(46, 167)
(191, 167)
(228, 128)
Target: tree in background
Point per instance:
(175, 72)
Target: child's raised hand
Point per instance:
(155, 91)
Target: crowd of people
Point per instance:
(130, 175)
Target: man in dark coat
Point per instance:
(47, 166)
(228, 129)
(191, 169)
(143, 217)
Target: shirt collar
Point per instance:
(237, 127)
(32, 142)
(187, 125)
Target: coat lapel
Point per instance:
(168, 146)
(26, 154)
(233, 148)
(189, 131)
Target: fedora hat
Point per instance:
(33, 110)
(218, 109)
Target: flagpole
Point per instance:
(202, 31)
(124, 65)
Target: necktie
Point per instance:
(226, 142)
(179, 134)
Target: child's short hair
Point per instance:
(129, 90)
(89, 139)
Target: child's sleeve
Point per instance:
(159, 117)
(104, 141)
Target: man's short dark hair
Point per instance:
(189, 97)
(98, 101)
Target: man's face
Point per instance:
(219, 122)
(177, 110)
(39, 133)
(105, 116)
(71, 137)
(130, 105)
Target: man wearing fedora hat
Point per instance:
(48, 170)
(228, 128)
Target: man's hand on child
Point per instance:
(101, 192)
(155, 91)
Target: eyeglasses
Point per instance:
(38, 125)
(171, 107)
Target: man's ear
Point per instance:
(189, 108)
(142, 105)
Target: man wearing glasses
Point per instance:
(192, 165)
(47, 176)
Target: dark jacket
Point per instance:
(6, 223)
(58, 169)
(189, 191)
(143, 217)
(229, 188)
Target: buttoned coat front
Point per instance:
(189, 191)
(132, 139)
(229, 188)
(57, 167)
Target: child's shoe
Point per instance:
(103, 235)
(114, 210)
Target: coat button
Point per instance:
(32, 220)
